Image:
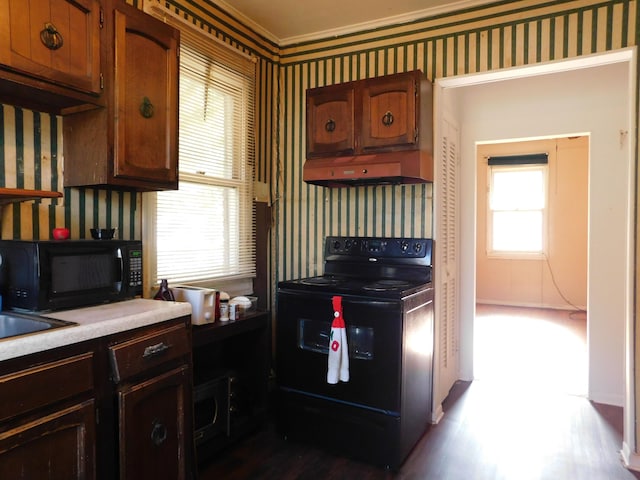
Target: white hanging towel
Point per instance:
(338, 349)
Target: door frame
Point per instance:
(446, 88)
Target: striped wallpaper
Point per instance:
(500, 35)
(31, 157)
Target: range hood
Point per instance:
(390, 168)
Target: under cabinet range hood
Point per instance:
(376, 131)
(391, 168)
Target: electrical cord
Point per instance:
(555, 284)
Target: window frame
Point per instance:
(512, 254)
(235, 283)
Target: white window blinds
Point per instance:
(205, 231)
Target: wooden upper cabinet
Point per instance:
(132, 143)
(389, 117)
(376, 131)
(330, 121)
(365, 116)
(55, 42)
(146, 99)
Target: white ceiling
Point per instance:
(291, 21)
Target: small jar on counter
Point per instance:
(224, 307)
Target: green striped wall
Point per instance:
(501, 35)
(31, 158)
(215, 22)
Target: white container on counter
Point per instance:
(224, 307)
(243, 304)
(202, 300)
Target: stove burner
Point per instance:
(322, 281)
(384, 285)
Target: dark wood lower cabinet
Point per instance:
(48, 416)
(57, 445)
(152, 427)
(116, 407)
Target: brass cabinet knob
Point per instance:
(387, 119)
(51, 37)
(146, 108)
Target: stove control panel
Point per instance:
(380, 247)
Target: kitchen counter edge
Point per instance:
(94, 322)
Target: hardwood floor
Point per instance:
(532, 348)
(500, 427)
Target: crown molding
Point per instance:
(349, 29)
(247, 21)
(383, 22)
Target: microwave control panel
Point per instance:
(135, 268)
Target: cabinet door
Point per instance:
(152, 421)
(58, 445)
(53, 40)
(146, 99)
(389, 114)
(330, 121)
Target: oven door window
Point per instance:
(313, 335)
(374, 338)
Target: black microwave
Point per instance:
(58, 274)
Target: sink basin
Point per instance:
(14, 324)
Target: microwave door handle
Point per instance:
(119, 256)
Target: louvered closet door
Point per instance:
(446, 265)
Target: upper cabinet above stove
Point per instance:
(373, 131)
(50, 54)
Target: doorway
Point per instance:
(531, 253)
(594, 95)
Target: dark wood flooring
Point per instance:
(491, 430)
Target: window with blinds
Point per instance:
(517, 209)
(205, 231)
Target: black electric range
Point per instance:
(386, 294)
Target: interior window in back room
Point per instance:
(517, 205)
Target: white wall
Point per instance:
(592, 100)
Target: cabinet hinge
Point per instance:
(101, 81)
(97, 415)
(101, 18)
(415, 136)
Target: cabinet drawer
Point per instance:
(147, 351)
(52, 381)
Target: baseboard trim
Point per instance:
(631, 460)
(437, 415)
(502, 303)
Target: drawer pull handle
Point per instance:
(156, 349)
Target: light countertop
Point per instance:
(94, 322)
